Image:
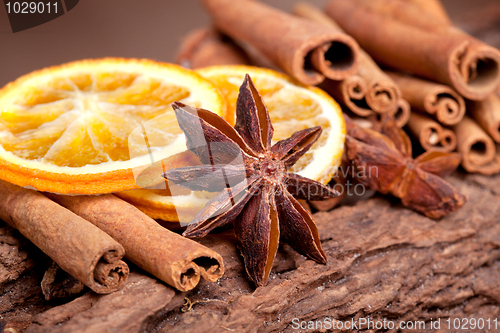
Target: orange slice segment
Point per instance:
(66, 129)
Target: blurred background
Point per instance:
(154, 29)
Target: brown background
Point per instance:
(152, 29)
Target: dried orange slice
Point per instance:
(292, 107)
(68, 128)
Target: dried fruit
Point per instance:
(82, 127)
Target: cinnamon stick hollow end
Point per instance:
(447, 55)
(336, 59)
(446, 104)
(431, 135)
(369, 88)
(439, 100)
(478, 150)
(351, 92)
(402, 112)
(382, 96)
(401, 117)
(306, 50)
(77, 246)
(178, 261)
(341, 49)
(473, 66)
(474, 69)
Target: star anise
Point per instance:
(384, 163)
(256, 191)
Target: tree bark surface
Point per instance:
(384, 262)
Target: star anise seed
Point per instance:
(417, 182)
(257, 193)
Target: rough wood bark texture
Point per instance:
(20, 291)
(384, 262)
(122, 311)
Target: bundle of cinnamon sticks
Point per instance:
(449, 78)
(412, 64)
(87, 236)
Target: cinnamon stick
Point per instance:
(402, 113)
(438, 100)
(425, 14)
(439, 53)
(306, 50)
(478, 150)
(487, 115)
(433, 7)
(208, 47)
(77, 246)
(170, 257)
(351, 92)
(430, 134)
(369, 88)
(401, 116)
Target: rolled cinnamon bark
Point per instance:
(487, 115)
(366, 90)
(447, 55)
(438, 100)
(430, 134)
(170, 257)
(351, 92)
(402, 113)
(306, 50)
(208, 47)
(478, 150)
(424, 14)
(76, 245)
(434, 7)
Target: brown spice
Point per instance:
(402, 113)
(77, 246)
(435, 51)
(487, 115)
(256, 192)
(385, 163)
(430, 134)
(369, 89)
(479, 152)
(434, 8)
(208, 47)
(401, 116)
(305, 50)
(171, 258)
(425, 14)
(440, 101)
